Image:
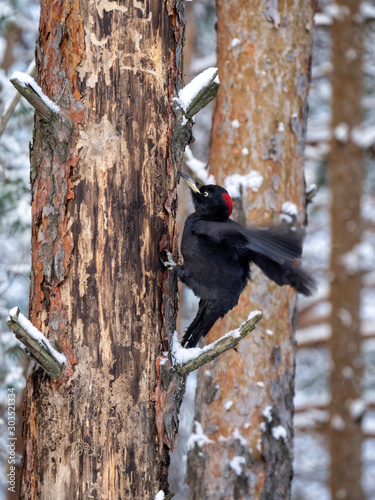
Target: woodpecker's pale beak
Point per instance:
(192, 184)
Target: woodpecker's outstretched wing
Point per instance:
(276, 243)
(286, 274)
(273, 250)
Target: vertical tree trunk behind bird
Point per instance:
(346, 173)
(244, 400)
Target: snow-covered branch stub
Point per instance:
(38, 346)
(199, 92)
(31, 71)
(160, 495)
(191, 99)
(30, 90)
(188, 360)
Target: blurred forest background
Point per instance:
(335, 370)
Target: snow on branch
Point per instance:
(40, 349)
(173, 369)
(12, 106)
(191, 99)
(188, 360)
(160, 495)
(199, 92)
(30, 90)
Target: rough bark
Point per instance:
(346, 173)
(263, 60)
(103, 207)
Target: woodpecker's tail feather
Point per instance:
(286, 274)
(300, 280)
(206, 317)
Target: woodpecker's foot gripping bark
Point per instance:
(169, 263)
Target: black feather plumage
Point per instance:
(218, 252)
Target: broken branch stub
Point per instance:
(12, 106)
(38, 346)
(203, 97)
(192, 98)
(185, 364)
(173, 370)
(29, 89)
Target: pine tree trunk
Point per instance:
(346, 171)
(103, 207)
(245, 400)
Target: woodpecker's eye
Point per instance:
(205, 193)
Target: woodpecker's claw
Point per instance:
(169, 263)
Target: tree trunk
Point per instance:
(245, 400)
(103, 207)
(346, 170)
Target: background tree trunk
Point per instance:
(100, 186)
(244, 402)
(346, 171)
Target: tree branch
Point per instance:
(173, 369)
(16, 99)
(38, 346)
(191, 99)
(188, 360)
(30, 90)
(197, 94)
